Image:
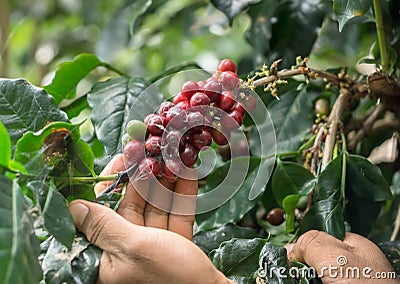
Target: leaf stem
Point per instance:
(380, 29)
(344, 169)
(86, 179)
(112, 68)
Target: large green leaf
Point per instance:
(327, 212)
(291, 178)
(5, 146)
(291, 117)
(366, 190)
(232, 7)
(345, 10)
(240, 203)
(238, 258)
(19, 247)
(274, 32)
(209, 240)
(366, 180)
(274, 265)
(79, 265)
(57, 218)
(111, 105)
(69, 74)
(25, 107)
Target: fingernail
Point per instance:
(79, 212)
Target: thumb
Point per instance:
(101, 225)
(318, 249)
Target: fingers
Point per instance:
(367, 250)
(102, 226)
(115, 165)
(181, 218)
(133, 202)
(318, 249)
(159, 203)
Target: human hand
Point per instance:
(140, 211)
(144, 243)
(355, 253)
(138, 254)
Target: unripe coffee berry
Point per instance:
(136, 129)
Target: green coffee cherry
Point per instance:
(136, 129)
(322, 107)
(302, 203)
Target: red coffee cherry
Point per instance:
(164, 107)
(179, 98)
(226, 101)
(175, 118)
(275, 216)
(153, 145)
(155, 124)
(149, 166)
(188, 155)
(212, 89)
(221, 137)
(199, 99)
(189, 88)
(229, 80)
(227, 65)
(133, 152)
(201, 139)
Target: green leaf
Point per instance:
(5, 146)
(76, 107)
(111, 199)
(291, 117)
(82, 157)
(57, 218)
(291, 178)
(232, 7)
(274, 31)
(325, 215)
(327, 212)
(240, 184)
(345, 10)
(289, 205)
(111, 105)
(69, 74)
(41, 150)
(358, 211)
(238, 258)
(392, 252)
(19, 247)
(366, 180)
(272, 262)
(117, 32)
(209, 240)
(79, 265)
(24, 107)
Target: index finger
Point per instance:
(181, 218)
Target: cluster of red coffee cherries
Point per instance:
(202, 112)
